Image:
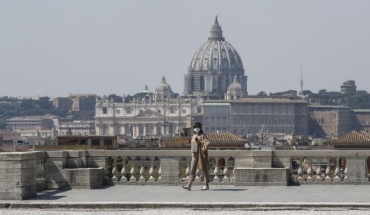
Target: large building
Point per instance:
(251, 115)
(159, 115)
(213, 67)
(361, 119)
(348, 87)
(331, 121)
(30, 123)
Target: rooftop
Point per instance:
(353, 137)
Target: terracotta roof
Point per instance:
(352, 137)
(224, 137)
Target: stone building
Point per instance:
(361, 119)
(213, 67)
(75, 127)
(331, 121)
(251, 115)
(82, 101)
(30, 123)
(160, 115)
(348, 87)
(216, 117)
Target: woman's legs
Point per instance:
(206, 175)
(193, 168)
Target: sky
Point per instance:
(54, 48)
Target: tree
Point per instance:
(45, 103)
(27, 104)
(306, 93)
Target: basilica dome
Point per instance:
(216, 53)
(163, 90)
(213, 67)
(163, 86)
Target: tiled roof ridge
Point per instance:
(224, 137)
(353, 137)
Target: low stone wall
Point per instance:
(17, 175)
(261, 176)
(22, 174)
(83, 178)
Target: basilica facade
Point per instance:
(158, 114)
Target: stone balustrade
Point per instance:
(22, 174)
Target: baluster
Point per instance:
(337, 176)
(42, 171)
(226, 173)
(132, 171)
(187, 171)
(160, 174)
(345, 174)
(197, 178)
(309, 170)
(318, 171)
(291, 171)
(343, 169)
(328, 170)
(233, 178)
(300, 171)
(107, 177)
(215, 171)
(114, 170)
(123, 170)
(142, 170)
(151, 171)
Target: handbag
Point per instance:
(205, 144)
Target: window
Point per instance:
(104, 110)
(199, 109)
(159, 111)
(172, 110)
(184, 111)
(128, 111)
(118, 112)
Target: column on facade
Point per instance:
(144, 129)
(138, 130)
(124, 128)
(133, 128)
(177, 129)
(167, 129)
(155, 129)
(162, 128)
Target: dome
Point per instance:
(213, 67)
(146, 90)
(235, 86)
(163, 91)
(216, 53)
(163, 86)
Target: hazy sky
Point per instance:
(59, 47)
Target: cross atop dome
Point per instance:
(216, 21)
(216, 31)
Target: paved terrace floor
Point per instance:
(219, 196)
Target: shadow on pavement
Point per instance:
(228, 189)
(49, 195)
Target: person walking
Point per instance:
(199, 160)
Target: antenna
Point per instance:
(301, 82)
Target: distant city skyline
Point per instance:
(117, 47)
